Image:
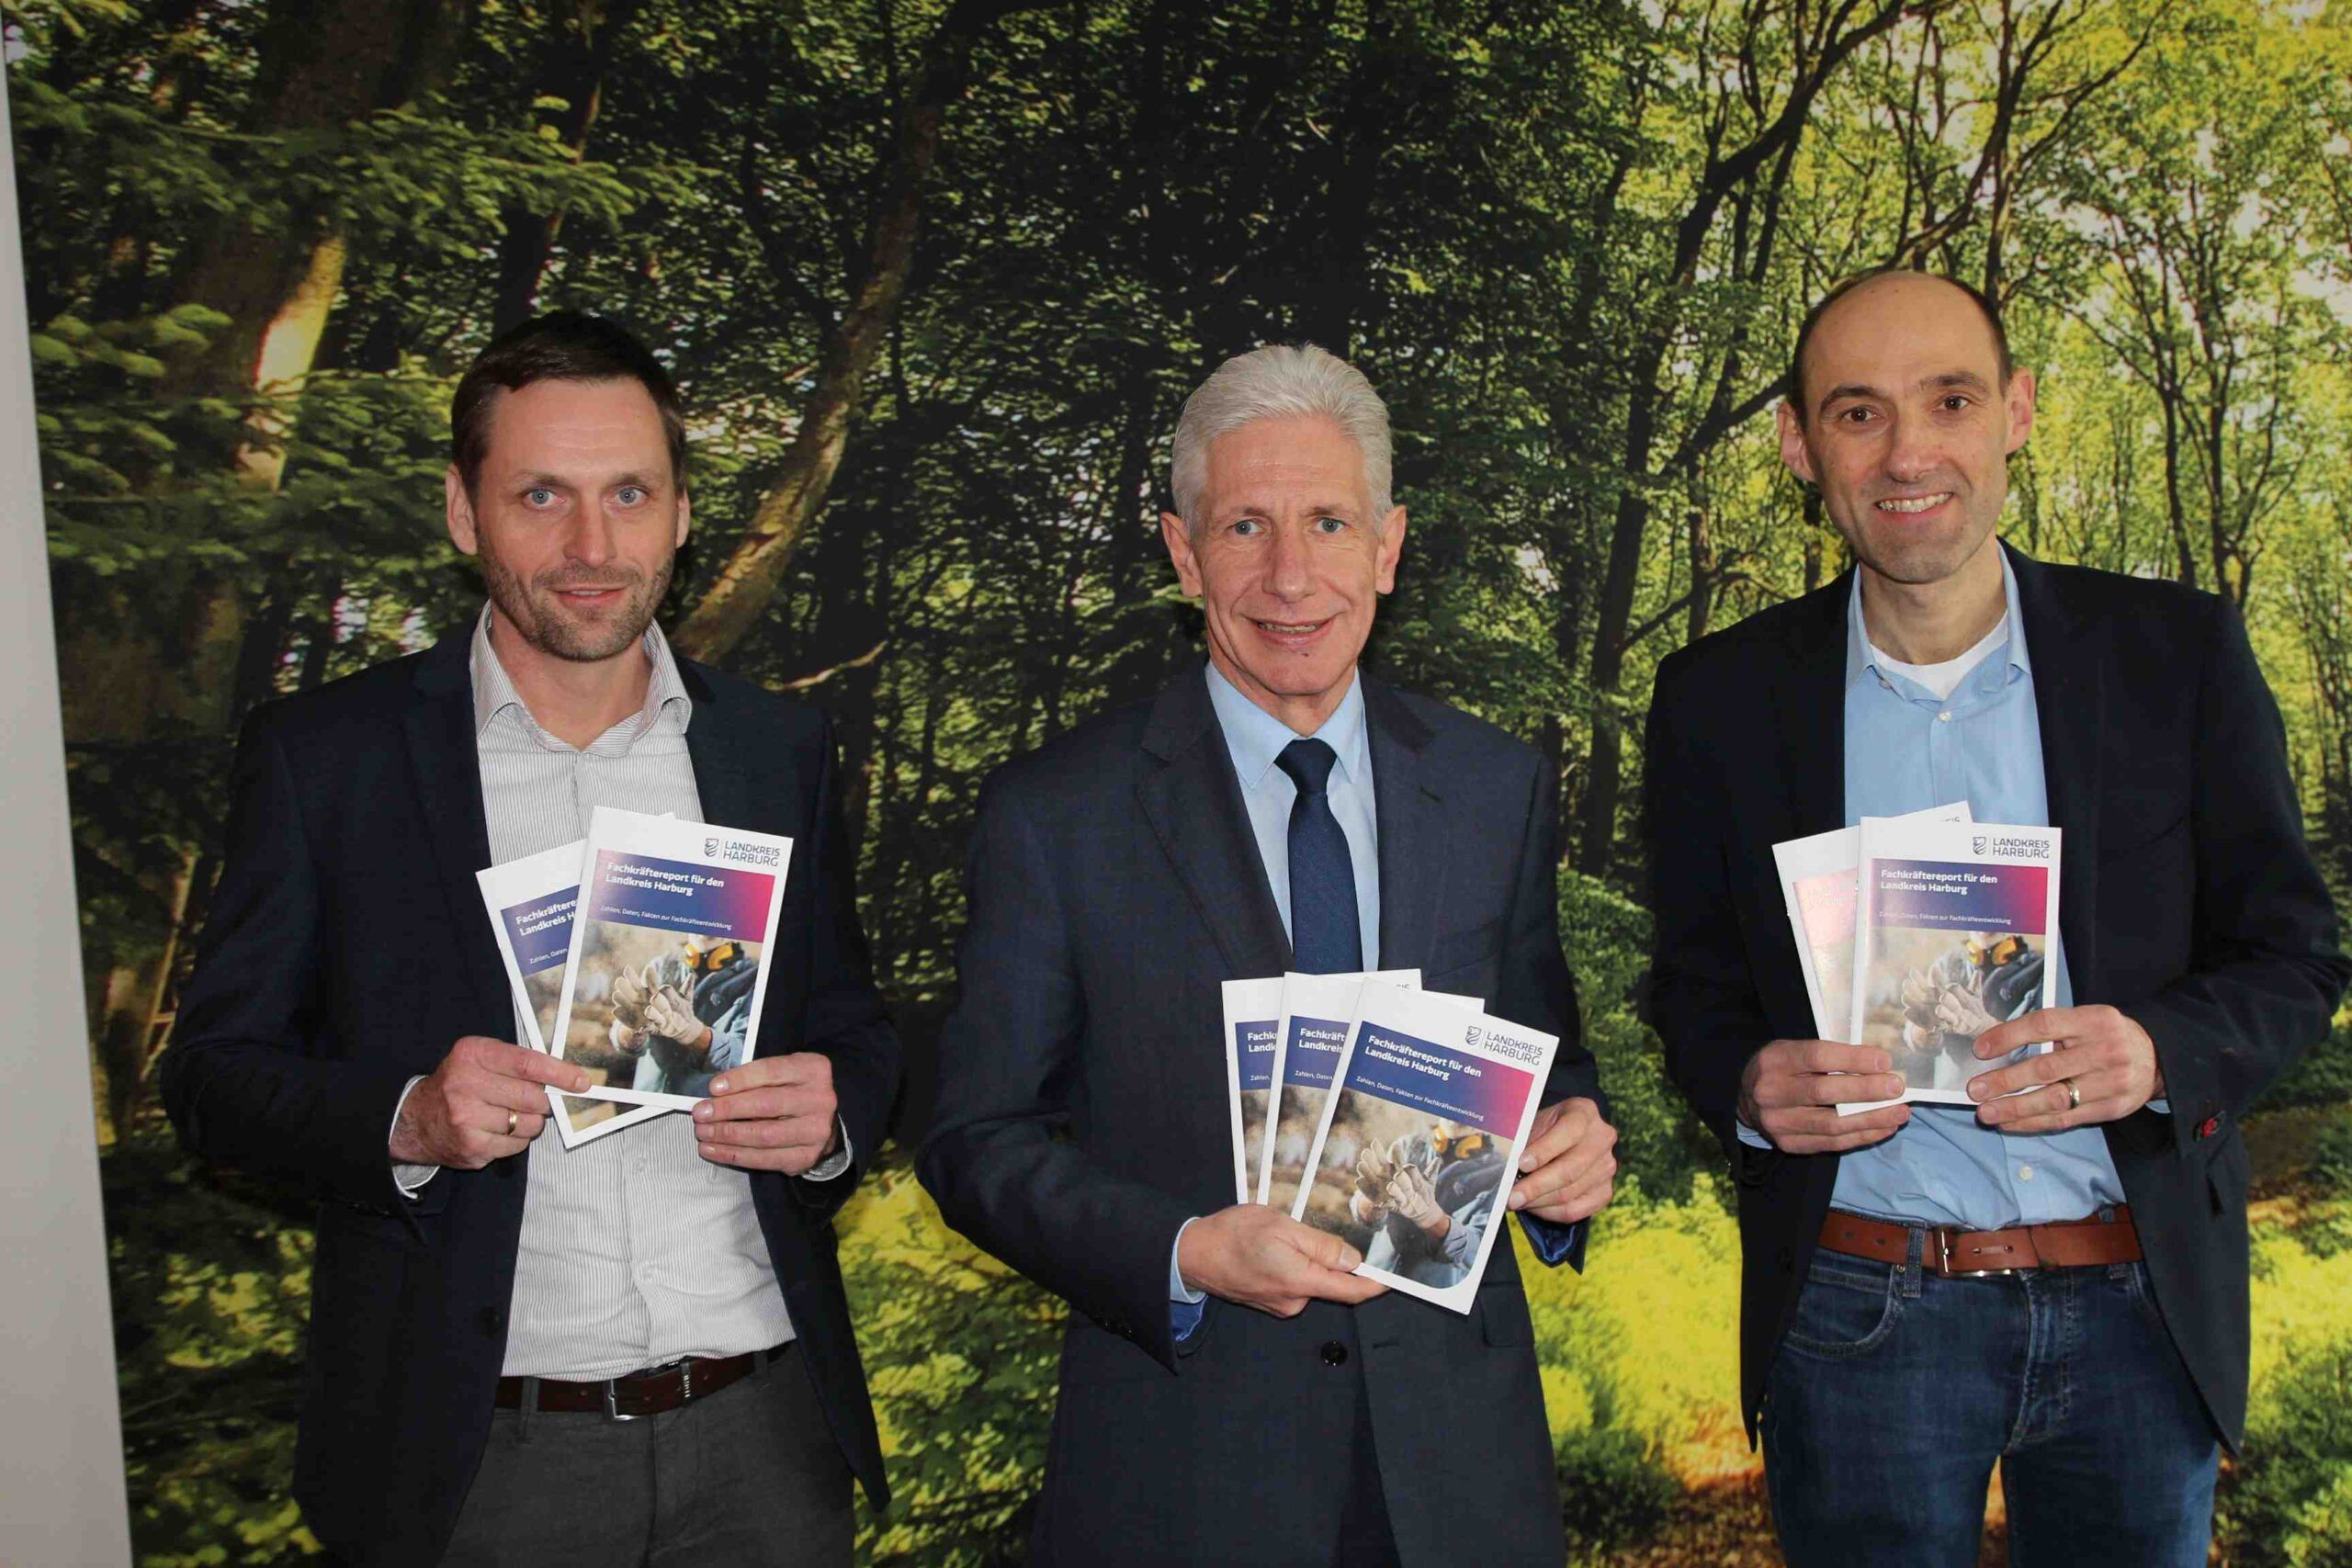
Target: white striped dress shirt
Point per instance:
(635, 1250)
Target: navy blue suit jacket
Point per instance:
(347, 949)
(1114, 882)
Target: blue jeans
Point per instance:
(1896, 1393)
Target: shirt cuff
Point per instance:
(826, 1169)
(1750, 1137)
(2162, 1106)
(408, 1178)
(1184, 1306)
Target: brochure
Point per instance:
(1312, 1027)
(667, 967)
(1819, 878)
(531, 902)
(1954, 937)
(1253, 1011)
(1420, 1145)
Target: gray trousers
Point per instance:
(750, 1476)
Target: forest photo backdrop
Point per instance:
(935, 276)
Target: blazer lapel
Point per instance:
(1188, 793)
(446, 768)
(1812, 712)
(1409, 808)
(2070, 710)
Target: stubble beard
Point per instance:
(535, 609)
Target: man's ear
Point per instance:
(1795, 451)
(2018, 400)
(685, 518)
(1177, 535)
(464, 532)
(1392, 548)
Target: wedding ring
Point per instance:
(2074, 1094)
(510, 1118)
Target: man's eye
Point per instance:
(1248, 527)
(1330, 525)
(1857, 416)
(628, 495)
(1955, 402)
(538, 495)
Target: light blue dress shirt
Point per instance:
(1907, 751)
(1253, 738)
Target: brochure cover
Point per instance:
(668, 961)
(1312, 1027)
(531, 903)
(1253, 1011)
(1420, 1145)
(1819, 881)
(1954, 937)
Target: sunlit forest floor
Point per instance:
(1638, 1358)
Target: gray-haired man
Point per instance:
(1230, 1393)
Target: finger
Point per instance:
(1836, 1144)
(2047, 1068)
(795, 1132)
(1836, 1056)
(768, 1072)
(530, 1066)
(1822, 1122)
(1580, 1202)
(2043, 1023)
(2049, 1109)
(1350, 1289)
(1577, 1168)
(502, 1094)
(767, 1104)
(1323, 1250)
(790, 1161)
(1827, 1088)
(1577, 1118)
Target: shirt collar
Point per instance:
(494, 692)
(1255, 737)
(1859, 659)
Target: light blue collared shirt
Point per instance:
(1907, 751)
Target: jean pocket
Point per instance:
(1844, 1311)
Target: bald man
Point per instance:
(2052, 1281)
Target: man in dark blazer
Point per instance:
(1230, 1393)
(637, 1349)
(2056, 1282)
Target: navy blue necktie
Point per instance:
(1324, 936)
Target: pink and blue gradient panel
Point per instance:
(725, 903)
(1489, 1096)
(1253, 1046)
(540, 931)
(2001, 898)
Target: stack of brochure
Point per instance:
(1919, 933)
(1388, 1116)
(661, 986)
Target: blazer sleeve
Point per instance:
(997, 1160)
(2267, 972)
(844, 1019)
(1535, 985)
(1699, 1000)
(244, 1081)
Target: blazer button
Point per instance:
(1334, 1353)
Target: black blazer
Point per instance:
(1114, 884)
(347, 949)
(2188, 900)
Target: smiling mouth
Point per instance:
(1904, 505)
(1289, 629)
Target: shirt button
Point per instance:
(1944, 718)
(2025, 1173)
(647, 1273)
(1334, 1353)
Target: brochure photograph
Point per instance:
(667, 971)
(1954, 937)
(1820, 880)
(1419, 1143)
(1307, 1038)
(1252, 1016)
(531, 902)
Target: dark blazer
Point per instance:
(1114, 884)
(2188, 900)
(347, 949)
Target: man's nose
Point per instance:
(589, 540)
(1286, 563)
(1910, 450)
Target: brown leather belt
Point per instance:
(649, 1393)
(2106, 1238)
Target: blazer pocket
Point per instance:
(1503, 1317)
(1459, 950)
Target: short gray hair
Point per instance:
(1280, 381)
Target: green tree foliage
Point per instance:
(935, 275)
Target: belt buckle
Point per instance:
(1943, 1261)
(611, 1403)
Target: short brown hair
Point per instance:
(1984, 305)
(562, 345)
